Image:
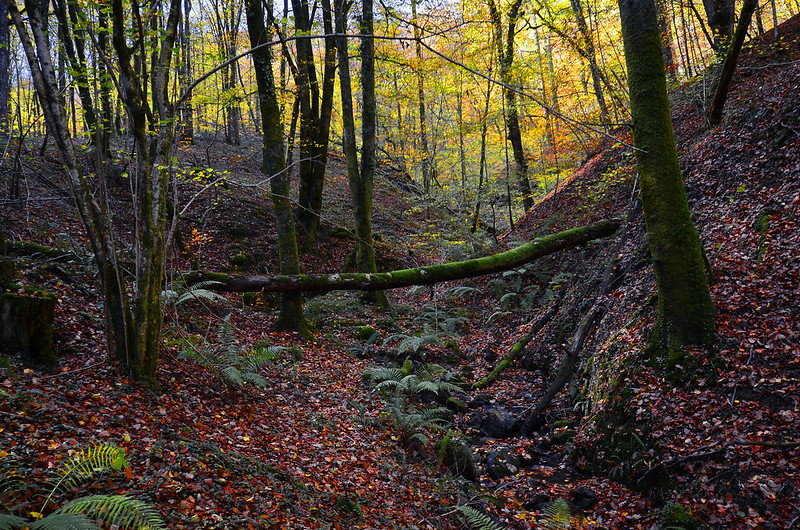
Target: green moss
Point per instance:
(240, 260)
(455, 404)
(675, 515)
(456, 455)
(562, 437)
(365, 332)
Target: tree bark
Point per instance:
(505, 53)
(720, 19)
(315, 108)
(406, 277)
(427, 162)
(274, 165)
(5, 56)
(685, 311)
(729, 65)
(363, 189)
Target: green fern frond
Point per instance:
(478, 520)
(255, 379)
(410, 344)
(462, 291)
(89, 462)
(419, 438)
(199, 293)
(231, 375)
(380, 374)
(386, 384)
(10, 522)
(226, 334)
(556, 515)
(117, 510)
(496, 315)
(64, 521)
(426, 386)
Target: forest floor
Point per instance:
(317, 448)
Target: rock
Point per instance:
(458, 457)
(536, 502)
(501, 462)
(498, 423)
(455, 404)
(480, 400)
(489, 356)
(584, 498)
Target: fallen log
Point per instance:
(516, 349)
(458, 270)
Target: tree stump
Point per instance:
(26, 319)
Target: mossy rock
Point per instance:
(675, 515)
(26, 325)
(240, 260)
(365, 332)
(455, 404)
(562, 437)
(456, 455)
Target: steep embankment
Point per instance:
(724, 443)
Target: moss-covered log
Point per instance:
(515, 350)
(419, 276)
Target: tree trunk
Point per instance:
(591, 57)
(427, 163)
(505, 53)
(120, 336)
(685, 312)
(5, 55)
(151, 121)
(315, 117)
(186, 110)
(403, 278)
(729, 65)
(720, 20)
(274, 165)
(362, 189)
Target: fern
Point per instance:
(462, 291)
(380, 374)
(64, 521)
(117, 510)
(9, 522)
(176, 294)
(88, 463)
(477, 519)
(228, 363)
(556, 515)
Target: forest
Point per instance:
(427, 264)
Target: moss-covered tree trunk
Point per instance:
(729, 64)
(32, 33)
(419, 276)
(291, 316)
(360, 178)
(315, 113)
(685, 310)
